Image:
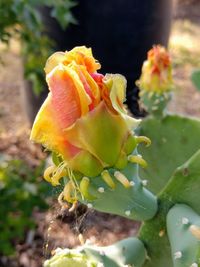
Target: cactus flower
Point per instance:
(83, 118)
(84, 122)
(156, 71)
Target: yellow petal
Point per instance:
(117, 86)
(88, 81)
(82, 56)
(53, 61)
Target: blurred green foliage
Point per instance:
(21, 191)
(22, 19)
(196, 78)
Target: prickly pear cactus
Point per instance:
(183, 187)
(95, 156)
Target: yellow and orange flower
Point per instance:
(156, 74)
(83, 118)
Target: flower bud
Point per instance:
(156, 74)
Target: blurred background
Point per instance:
(120, 33)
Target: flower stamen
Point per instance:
(108, 179)
(143, 139)
(137, 159)
(84, 188)
(122, 179)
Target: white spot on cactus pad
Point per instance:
(89, 205)
(101, 190)
(128, 212)
(132, 183)
(144, 182)
(177, 255)
(194, 264)
(102, 253)
(185, 220)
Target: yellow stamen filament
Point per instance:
(48, 173)
(73, 207)
(84, 188)
(84, 185)
(57, 175)
(122, 179)
(81, 239)
(143, 139)
(195, 230)
(68, 189)
(62, 203)
(53, 174)
(108, 179)
(137, 159)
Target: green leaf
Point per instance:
(195, 77)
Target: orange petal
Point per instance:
(47, 131)
(104, 90)
(82, 56)
(91, 87)
(69, 97)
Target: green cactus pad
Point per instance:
(128, 252)
(183, 187)
(155, 103)
(134, 202)
(185, 246)
(174, 140)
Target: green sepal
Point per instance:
(130, 144)
(87, 164)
